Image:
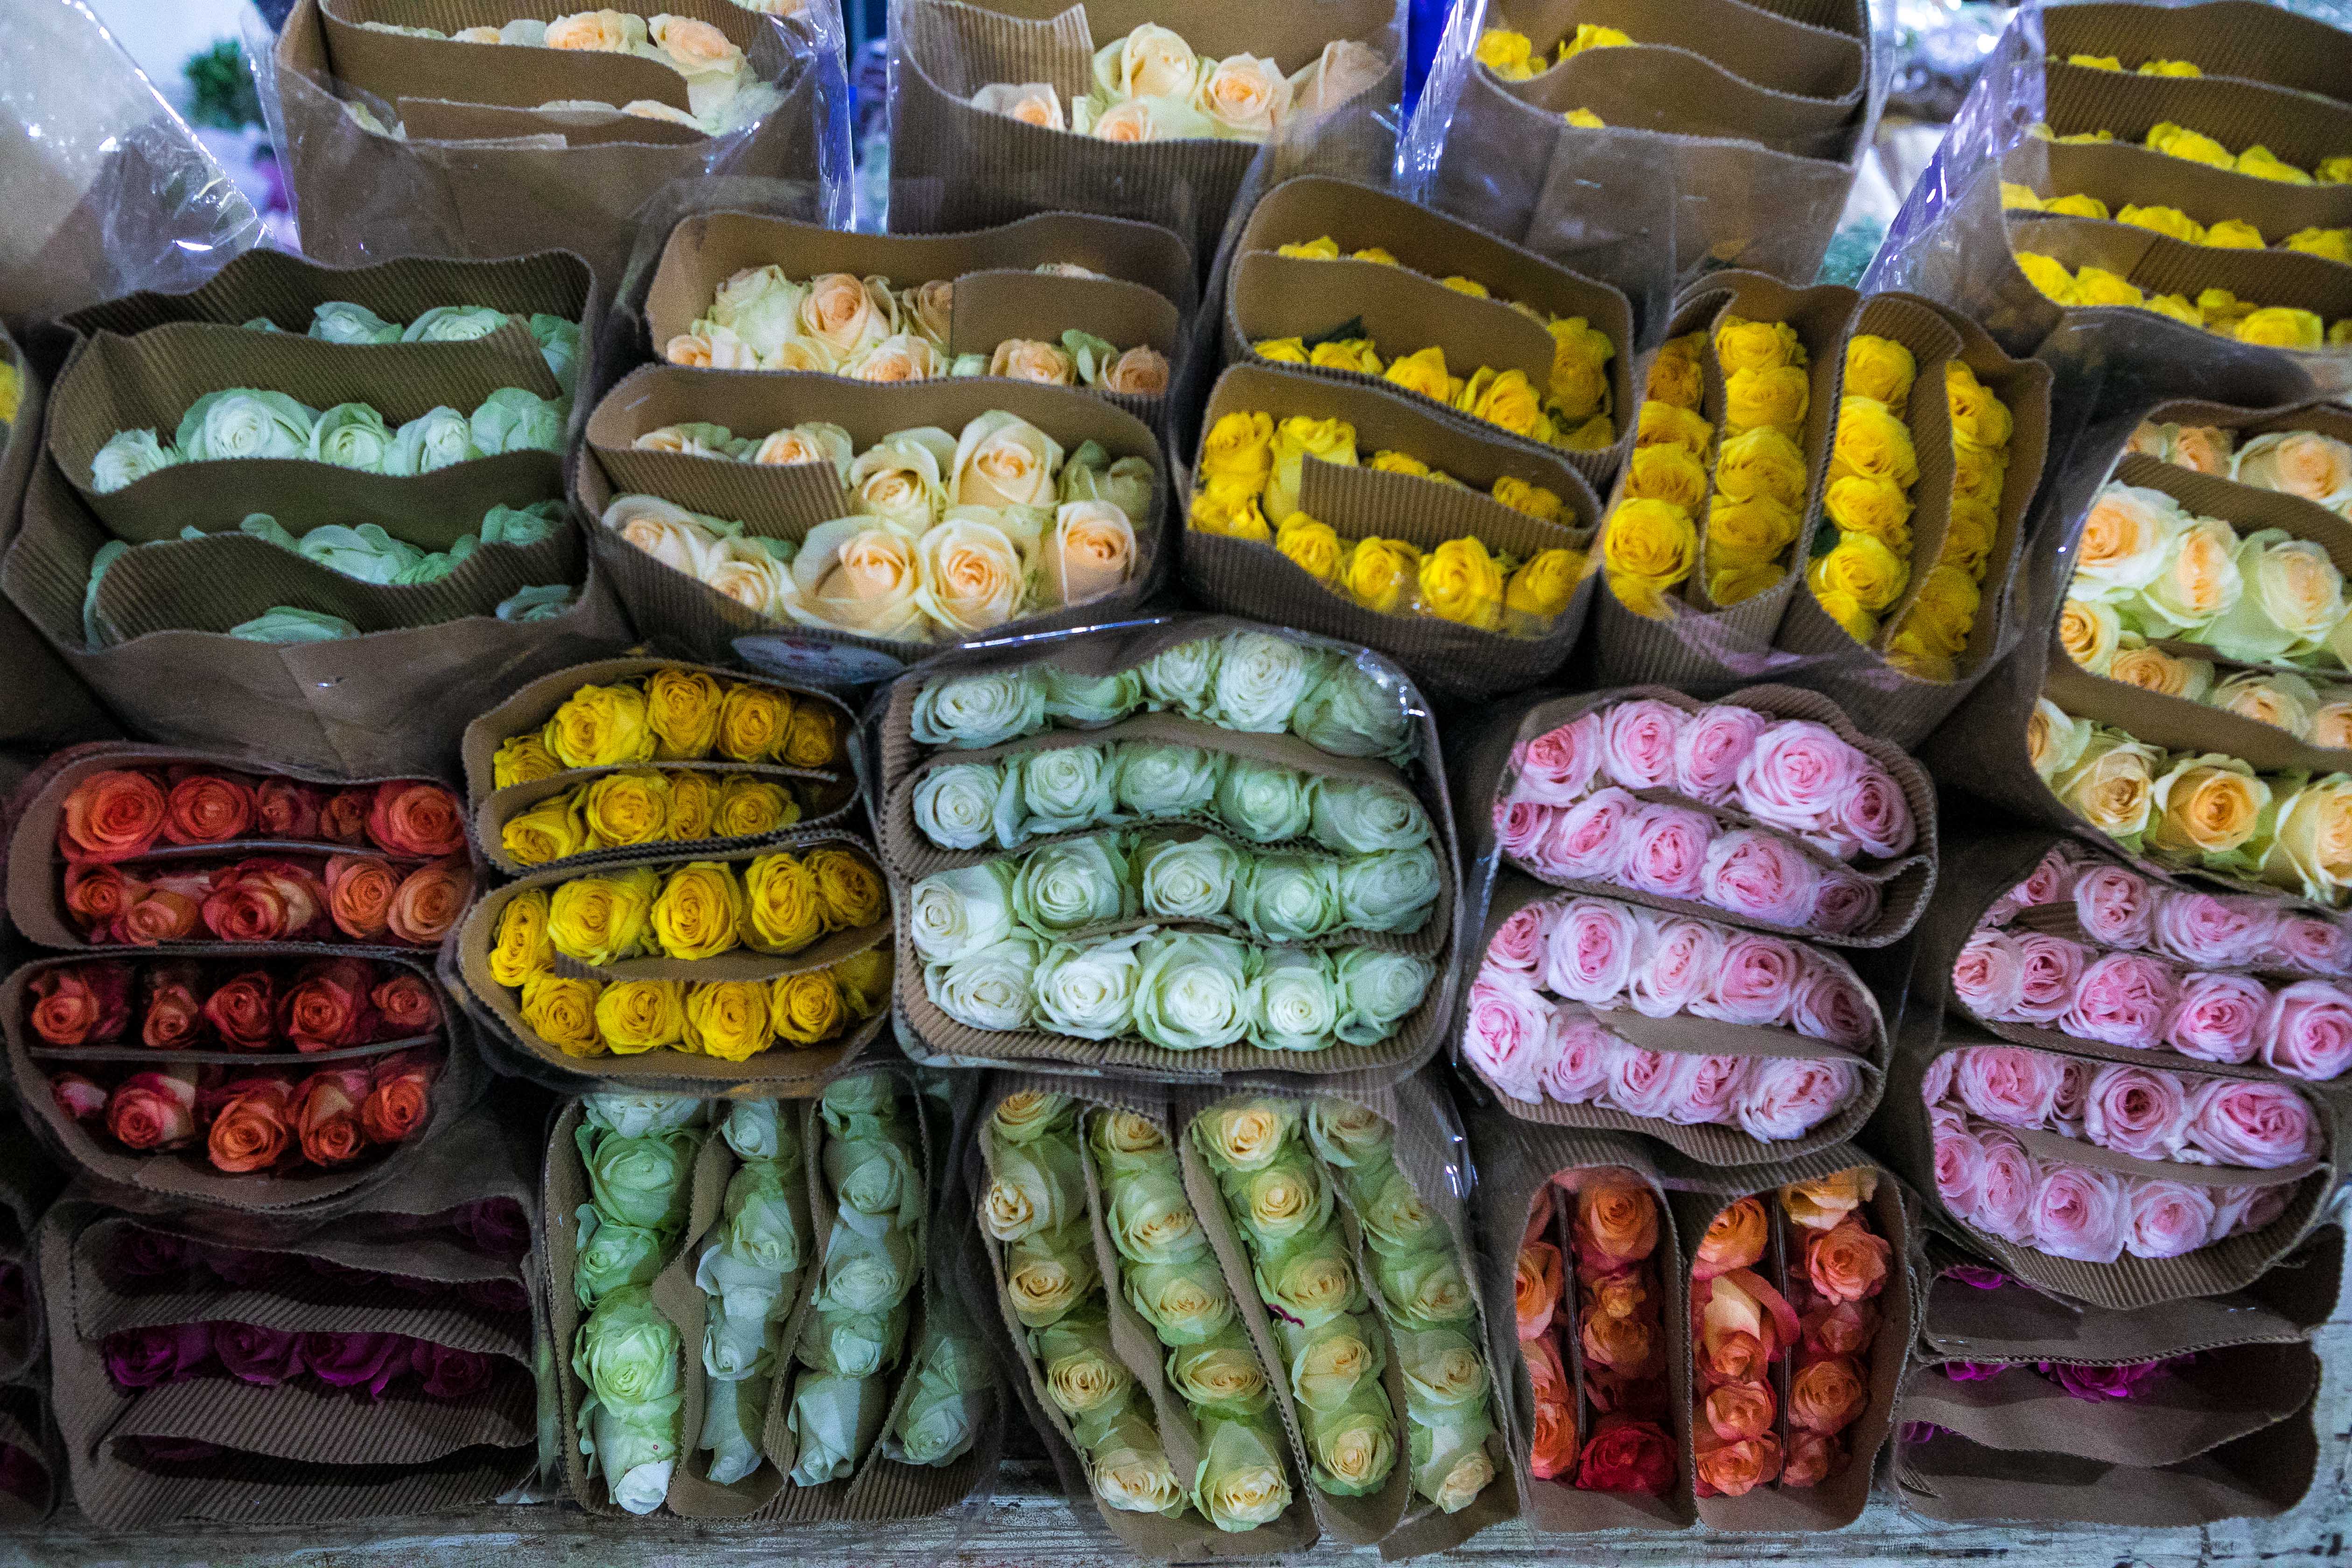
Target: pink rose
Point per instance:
(2312, 943)
(1788, 1097)
(1557, 767)
(2051, 880)
(2306, 1032)
(1713, 743)
(2005, 1200)
(2237, 1210)
(1873, 814)
(1669, 852)
(2258, 1126)
(1577, 1067)
(1959, 1168)
(1754, 982)
(2079, 1213)
(1591, 951)
(2217, 1017)
(1759, 877)
(2008, 1084)
(1520, 827)
(2209, 933)
(1637, 743)
(1989, 977)
(1508, 1025)
(1709, 1088)
(2074, 1100)
(1640, 1082)
(2051, 971)
(2168, 1218)
(1589, 841)
(1829, 1006)
(2138, 1112)
(1999, 912)
(2115, 906)
(1683, 956)
(1797, 774)
(1843, 903)
(1936, 1086)
(2123, 1000)
(1519, 941)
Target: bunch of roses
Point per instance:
(378, 1364)
(777, 905)
(1614, 1330)
(647, 805)
(2079, 1380)
(234, 1004)
(1578, 395)
(2229, 234)
(946, 535)
(1152, 86)
(245, 422)
(143, 1257)
(2216, 311)
(722, 88)
(1845, 1265)
(2113, 906)
(271, 899)
(259, 1121)
(2205, 811)
(341, 321)
(2145, 1112)
(1252, 466)
(123, 814)
(2179, 141)
(1505, 399)
(2302, 463)
(672, 716)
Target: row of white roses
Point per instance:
(341, 321)
(1153, 86)
(243, 422)
(714, 66)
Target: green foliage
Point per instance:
(220, 90)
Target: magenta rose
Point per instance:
(2050, 881)
(1976, 1277)
(2306, 1032)
(2079, 1213)
(1959, 1168)
(2005, 1197)
(1669, 851)
(1797, 773)
(2218, 1017)
(1973, 1371)
(2074, 1100)
(2123, 1000)
(1683, 956)
(2138, 1112)
(1640, 1082)
(1759, 877)
(1989, 977)
(2050, 971)
(1788, 1097)
(447, 1373)
(1589, 841)
(2312, 943)
(1843, 903)
(2237, 1210)
(1519, 941)
(2008, 1084)
(2123, 1381)
(1709, 1088)
(148, 1358)
(1754, 982)
(496, 1295)
(2168, 1218)
(372, 1361)
(2259, 1126)
(1714, 741)
(1521, 826)
(1557, 767)
(1591, 951)
(2209, 933)
(256, 1355)
(1873, 816)
(497, 1226)
(1576, 1060)
(1637, 743)
(2114, 907)
(1504, 1037)
(1829, 1006)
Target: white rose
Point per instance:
(1143, 120)
(1246, 97)
(1149, 62)
(2127, 539)
(1088, 991)
(711, 346)
(971, 576)
(955, 807)
(761, 305)
(954, 914)
(903, 479)
(903, 356)
(989, 989)
(816, 442)
(1259, 681)
(669, 533)
(2054, 739)
(750, 575)
(1341, 73)
(1032, 103)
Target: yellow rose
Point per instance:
(1281, 350)
(1399, 463)
(1742, 345)
(2176, 305)
(1880, 368)
(806, 1009)
(1669, 474)
(2088, 632)
(1727, 585)
(1979, 475)
(563, 1013)
(1663, 424)
(522, 759)
(1978, 418)
(1748, 532)
(2048, 274)
(2153, 669)
(2169, 68)
(1761, 464)
(1422, 372)
(1380, 573)
(1903, 652)
(1229, 507)
(2339, 333)
(1511, 55)
(2335, 244)
(1535, 500)
(2282, 327)
(2096, 62)
(849, 895)
(603, 920)
(2222, 310)
(1509, 400)
(812, 737)
(1945, 610)
(1325, 248)
(1760, 399)
(551, 831)
(865, 981)
(1583, 120)
(729, 1019)
(2019, 198)
(1860, 567)
(1378, 254)
(1591, 36)
(2097, 286)
(682, 709)
(1580, 373)
(752, 722)
(693, 807)
(1541, 590)
(2335, 170)
(2205, 805)
(2264, 165)
(1651, 541)
(635, 1015)
(599, 727)
(2076, 206)
(1460, 582)
(2179, 141)
(1859, 623)
(1969, 533)
(1597, 434)
(1350, 353)
(1873, 444)
(624, 809)
(1314, 546)
(749, 807)
(1239, 447)
(2235, 233)
(1470, 286)
(522, 948)
(699, 911)
(1674, 375)
(1295, 439)
(1876, 506)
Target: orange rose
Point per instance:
(162, 914)
(398, 1100)
(1813, 1457)
(327, 1116)
(97, 895)
(1823, 1203)
(1844, 1329)
(1736, 1240)
(112, 815)
(173, 1013)
(1735, 1469)
(1552, 1451)
(1536, 1291)
(1827, 1396)
(428, 903)
(1624, 1345)
(1848, 1263)
(1616, 1295)
(424, 820)
(152, 1110)
(208, 808)
(360, 890)
(1615, 1222)
(327, 1007)
(344, 817)
(407, 1004)
(82, 1004)
(266, 900)
(250, 1132)
(288, 808)
(1738, 1411)
(1734, 1357)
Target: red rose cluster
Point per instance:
(231, 1005)
(259, 1121)
(125, 813)
(268, 899)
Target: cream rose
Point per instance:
(2298, 462)
(803, 354)
(2293, 598)
(816, 442)
(1003, 460)
(903, 479)
(669, 533)
(902, 356)
(604, 32)
(2125, 541)
(2311, 846)
(2284, 702)
(711, 347)
(2112, 786)
(840, 311)
(2087, 631)
(2199, 583)
(750, 576)
(1032, 103)
(1149, 62)
(1244, 96)
(1141, 120)
(696, 48)
(858, 575)
(930, 309)
(1140, 372)
(1090, 552)
(2054, 739)
(971, 576)
(1026, 359)
(2206, 805)
(1341, 73)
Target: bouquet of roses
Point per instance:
(750, 1273)
(376, 1364)
(123, 814)
(235, 1004)
(340, 321)
(247, 421)
(2215, 309)
(2310, 464)
(1838, 1267)
(1613, 1326)
(2224, 233)
(1504, 399)
(266, 1121)
(782, 902)
(270, 899)
(1742, 1326)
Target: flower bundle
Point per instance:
(235, 1004)
(2179, 141)
(1845, 1264)
(247, 421)
(1608, 1315)
(341, 321)
(124, 814)
(144, 1258)
(2227, 234)
(749, 1274)
(1513, 56)
(1569, 812)
(2154, 66)
(1252, 682)
(259, 1122)
(947, 536)
(2149, 1113)
(638, 1155)
(378, 1365)
(2216, 311)
(1500, 398)
(1251, 469)
(672, 716)
(2091, 1382)
(2306, 463)
(1152, 86)
(295, 898)
(855, 1334)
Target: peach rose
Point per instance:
(411, 817)
(1813, 1457)
(1244, 95)
(407, 1004)
(344, 818)
(1030, 102)
(288, 808)
(1827, 1396)
(208, 808)
(1617, 1223)
(1823, 1203)
(1140, 372)
(1537, 1287)
(1735, 1469)
(1090, 553)
(1736, 1240)
(1616, 1295)
(1024, 359)
(97, 895)
(251, 1132)
(327, 1116)
(839, 312)
(603, 32)
(1735, 1411)
(399, 1099)
(1847, 1263)
(428, 903)
(162, 914)
(360, 890)
(1624, 1345)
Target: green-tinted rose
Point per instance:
(1125, 1143)
(850, 1106)
(1149, 1218)
(1293, 1006)
(1259, 681)
(245, 423)
(1313, 1282)
(1283, 1203)
(854, 1345)
(1390, 891)
(1351, 712)
(1423, 1289)
(1220, 1376)
(340, 321)
(866, 1273)
(1288, 898)
(627, 1351)
(352, 436)
(1377, 989)
(454, 324)
(975, 711)
(1327, 1361)
(954, 914)
(938, 1422)
(431, 440)
(611, 1256)
(741, 1289)
(1353, 1446)
(128, 455)
(1035, 1187)
(955, 807)
(512, 419)
(1028, 1114)
(1063, 887)
(1082, 1375)
(365, 553)
(1088, 701)
(1348, 1135)
(288, 623)
(989, 989)
(635, 1447)
(1087, 990)
(1131, 1470)
(874, 1176)
(733, 1419)
(755, 1131)
(1394, 1218)
(1450, 1466)
(637, 1115)
(1180, 677)
(543, 602)
(735, 1348)
(1047, 1275)
(765, 1209)
(1245, 1135)
(639, 1180)
(1186, 878)
(1359, 817)
(834, 1420)
(522, 525)
(1185, 1303)
(1063, 791)
(1157, 780)
(1193, 992)
(1444, 1374)
(1241, 1483)
(1265, 803)
(559, 344)
(1128, 483)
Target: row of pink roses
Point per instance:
(2145, 1112)
(2115, 906)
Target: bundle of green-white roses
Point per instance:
(750, 1271)
(251, 422)
(341, 321)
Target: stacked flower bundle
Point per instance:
(344, 321)
(230, 1004)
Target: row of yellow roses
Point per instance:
(733, 1020)
(2229, 234)
(647, 805)
(2179, 141)
(1513, 56)
(1252, 464)
(2145, 67)
(780, 904)
(671, 716)
(1505, 399)
(2216, 311)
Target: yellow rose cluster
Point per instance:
(1513, 56)
(671, 716)
(2145, 67)
(2179, 141)
(1505, 399)
(2217, 310)
(1934, 631)
(2229, 234)
(1577, 402)
(1858, 574)
(1250, 476)
(647, 805)
(780, 904)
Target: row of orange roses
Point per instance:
(125, 813)
(271, 899)
(262, 1121)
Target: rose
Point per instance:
(207, 808)
(1760, 875)
(242, 1010)
(1592, 950)
(2080, 1213)
(428, 902)
(2168, 1218)
(1505, 1033)
(2293, 598)
(1735, 1239)
(2007, 1084)
(251, 1131)
(2237, 1210)
(1518, 943)
(1364, 818)
(2312, 845)
(1795, 774)
(2313, 943)
(1627, 1456)
(2136, 1111)
(2206, 805)
(1960, 1167)
(612, 1256)
(1669, 851)
(424, 820)
(109, 816)
(1786, 1097)
(955, 806)
(2296, 462)
(2123, 1000)
(327, 1116)
(2306, 1031)
(2263, 1126)
(97, 896)
(1828, 1395)
(243, 423)
(1590, 840)
(1557, 767)
(1847, 1262)
(1753, 983)
(1989, 977)
(1390, 891)
(989, 989)
(148, 1358)
(1616, 1224)
(130, 455)
(1738, 1411)
(2217, 1017)
(2209, 932)
(327, 1007)
(1710, 748)
(172, 1011)
(2115, 906)
(1829, 1006)
(152, 1110)
(81, 1005)
(1082, 1373)
(1680, 963)
(2126, 540)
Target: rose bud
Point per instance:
(79, 1098)
(360, 890)
(81, 1003)
(174, 1016)
(252, 1132)
(153, 1111)
(428, 903)
(98, 896)
(288, 808)
(328, 1006)
(241, 1011)
(1827, 1396)
(405, 1005)
(398, 1100)
(112, 816)
(423, 821)
(207, 808)
(327, 1116)
(343, 819)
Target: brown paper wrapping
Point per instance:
(2231, 38)
(2256, 1477)
(50, 706)
(28, 1182)
(2300, 127)
(26, 1426)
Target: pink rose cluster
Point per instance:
(1570, 812)
(2115, 906)
(2145, 1112)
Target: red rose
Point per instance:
(252, 1131)
(423, 820)
(96, 896)
(405, 1005)
(79, 1098)
(429, 901)
(81, 1003)
(153, 1111)
(241, 1011)
(1845, 1329)
(327, 1116)
(398, 1099)
(208, 808)
(328, 1007)
(1627, 1456)
(171, 1017)
(360, 890)
(287, 808)
(264, 900)
(113, 815)
(343, 819)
